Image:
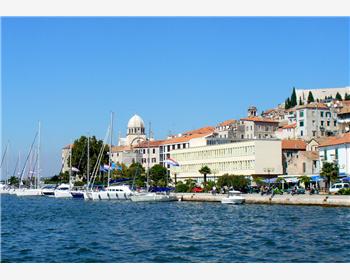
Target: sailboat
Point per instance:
(63, 190)
(111, 192)
(151, 196)
(4, 187)
(31, 190)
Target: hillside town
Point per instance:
(291, 140)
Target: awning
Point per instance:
(346, 179)
(315, 178)
(270, 180)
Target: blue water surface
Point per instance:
(41, 229)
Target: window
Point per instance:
(301, 133)
(179, 146)
(301, 114)
(183, 146)
(314, 133)
(325, 155)
(301, 123)
(154, 151)
(335, 123)
(336, 153)
(173, 147)
(168, 148)
(328, 123)
(304, 167)
(322, 114)
(322, 123)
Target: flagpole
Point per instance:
(110, 149)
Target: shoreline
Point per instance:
(285, 199)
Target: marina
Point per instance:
(40, 229)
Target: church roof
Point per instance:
(136, 121)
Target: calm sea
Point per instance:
(41, 229)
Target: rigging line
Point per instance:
(3, 157)
(25, 162)
(85, 144)
(14, 171)
(97, 165)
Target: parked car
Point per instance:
(197, 189)
(335, 188)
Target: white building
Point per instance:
(247, 157)
(321, 93)
(287, 131)
(315, 120)
(337, 150)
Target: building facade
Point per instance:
(247, 157)
(315, 120)
(322, 93)
(336, 150)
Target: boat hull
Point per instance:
(236, 200)
(62, 194)
(28, 192)
(153, 197)
(107, 195)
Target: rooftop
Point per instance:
(336, 140)
(288, 144)
(259, 119)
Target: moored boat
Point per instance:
(153, 197)
(233, 197)
(63, 191)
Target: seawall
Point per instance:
(285, 199)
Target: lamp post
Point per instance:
(268, 170)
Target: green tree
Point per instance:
(305, 180)
(181, 187)
(338, 97)
(293, 98)
(205, 170)
(137, 173)
(158, 175)
(190, 183)
(330, 171)
(64, 177)
(300, 101)
(238, 182)
(259, 181)
(13, 180)
(287, 104)
(347, 96)
(79, 154)
(310, 98)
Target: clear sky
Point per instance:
(178, 73)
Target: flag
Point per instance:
(172, 162)
(102, 169)
(74, 169)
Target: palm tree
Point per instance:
(205, 170)
(331, 171)
(305, 180)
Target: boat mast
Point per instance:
(70, 165)
(110, 149)
(7, 166)
(88, 162)
(148, 153)
(38, 166)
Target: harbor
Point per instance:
(307, 200)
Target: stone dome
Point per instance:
(136, 122)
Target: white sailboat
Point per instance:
(64, 190)
(4, 187)
(151, 196)
(36, 190)
(112, 192)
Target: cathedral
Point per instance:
(135, 132)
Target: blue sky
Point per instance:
(178, 73)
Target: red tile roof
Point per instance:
(259, 119)
(293, 125)
(152, 144)
(288, 144)
(228, 122)
(336, 140)
(314, 105)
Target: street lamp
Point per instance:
(268, 170)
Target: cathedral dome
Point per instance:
(136, 122)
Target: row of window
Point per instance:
(301, 123)
(322, 114)
(219, 167)
(145, 160)
(217, 153)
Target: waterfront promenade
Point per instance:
(285, 199)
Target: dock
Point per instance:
(285, 199)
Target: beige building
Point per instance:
(259, 128)
(64, 157)
(247, 157)
(321, 93)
